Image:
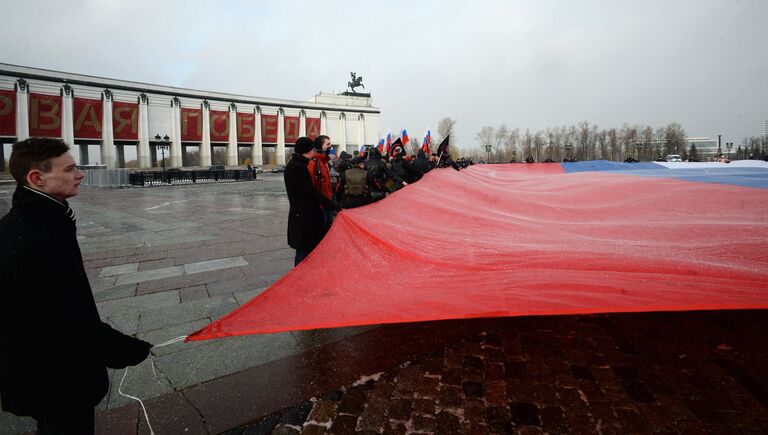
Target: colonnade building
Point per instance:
(203, 128)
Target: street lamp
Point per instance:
(488, 150)
(728, 146)
(568, 148)
(164, 142)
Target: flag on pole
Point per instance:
(405, 137)
(443, 147)
(387, 144)
(397, 144)
(381, 145)
(427, 142)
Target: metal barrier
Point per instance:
(105, 178)
(190, 177)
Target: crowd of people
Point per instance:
(319, 186)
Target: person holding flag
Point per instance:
(404, 138)
(443, 158)
(54, 347)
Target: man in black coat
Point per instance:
(379, 173)
(306, 226)
(54, 348)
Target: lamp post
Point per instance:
(488, 150)
(164, 142)
(728, 146)
(568, 148)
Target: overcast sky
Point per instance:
(530, 64)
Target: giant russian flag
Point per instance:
(531, 239)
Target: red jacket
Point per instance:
(323, 182)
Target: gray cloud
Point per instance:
(525, 64)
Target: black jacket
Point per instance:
(421, 166)
(306, 225)
(379, 173)
(54, 348)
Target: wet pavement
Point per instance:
(163, 262)
(691, 372)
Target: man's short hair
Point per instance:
(34, 153)
(319, 141)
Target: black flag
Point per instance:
(395, 144)
(443, 147)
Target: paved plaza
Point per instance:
(164, 262)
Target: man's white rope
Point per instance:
(152, 357)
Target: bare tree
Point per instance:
(527, 143)
(627, 139)
(601, 139)
(538, 145)
(613, 143)
(510, 145)
(646, 141)
(499, 137)
(485, 138)
(446, 127)
(676, 138)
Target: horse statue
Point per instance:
(356, 81)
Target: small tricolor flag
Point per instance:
(405, 137)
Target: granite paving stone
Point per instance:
(192, 366)
(150, 275)
(217, 264)
(193, 293)
(244, 296)
(171, 315)
(178, 282)
(142, 303)
(155, 264)
(118, 292)
(127, 322)
(140, 381)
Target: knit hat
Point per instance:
(303, 145)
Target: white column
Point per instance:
(142, 152)
(205, 145)
(361, 130)
(108, 134)
(176, 133)
(280, 150)
(22, 110)
(257, 150)
(302, 123)
(67, 121)
(342, 132)
(323, 124)
(232, 154)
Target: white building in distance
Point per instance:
(203, 128)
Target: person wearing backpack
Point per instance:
(378, 174)
(353, 185)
